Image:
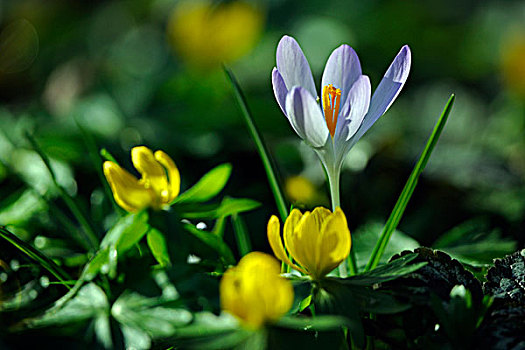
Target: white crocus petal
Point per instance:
(342, 70)
(306, 117)
(279, 89)
(388, 89)
(293, 66)
(357, 105)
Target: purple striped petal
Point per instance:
(279, 89)
(342, 70)
(306, 117)
(388, 89)
(293, 66)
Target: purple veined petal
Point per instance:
(388, 89)
(356, 107)
(342, 70)
(293, 66)
(279, 89)
(306, 117)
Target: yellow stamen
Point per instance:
(331, 104)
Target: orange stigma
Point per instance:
(331, 102)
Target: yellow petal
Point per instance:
(274, 237)
(335, 243)
(127, 190)
(289, 228)
(245, 293)
(230, 293)
(306, 238)
(153, 174)
(173, 174)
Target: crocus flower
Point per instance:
(254, 292)
(318, 241)
(158, 186)
(332, 123)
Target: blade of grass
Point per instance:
(241, 235)
(37, 256)
(399, 208)
(259, 143)
(97, 163)
(91, 237)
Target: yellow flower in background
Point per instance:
(206, 35)
(158, 186)
(300, 190)
(254, 292)
(512, 62)
(318, 241)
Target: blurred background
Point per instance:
(149, 72)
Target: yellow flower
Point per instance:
(158, 186)
(254, 292)
(206, 35)
(318, 241)
(299, 189)
(512, 66)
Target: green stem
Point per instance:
(334, 176)
(261, 147)
(91, 237)
(97, 163)
(36, 255)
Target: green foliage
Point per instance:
(158, 247)
(36, 255)
(471, 244)
(353, 297)
(214, 241)
(404, 197)
(139, 318)
(125, 234)
(262, 149)
(227, 207)
(365, 237)
(460, 316)
(207, 187)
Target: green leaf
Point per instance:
(94, 266)
(214, 241)
(388, 272)
(102, 329)
(460, 316)
(330, 297)
(261, 147)
(104, 153)
(228, 206)
(242, 236)
(320, 323)
(136, 311)
(207, 187)
(158, 247)
(471, 244)
(90, 302)
(206, 324)
(127, 231)
(364, 238)
(401, 204)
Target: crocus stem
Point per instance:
(333, 180)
